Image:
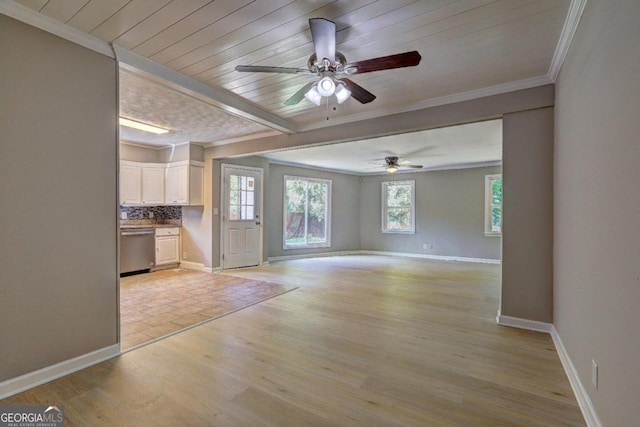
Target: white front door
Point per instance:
(241, 216)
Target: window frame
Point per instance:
(489, 206)
(384, 207)
(327, 242)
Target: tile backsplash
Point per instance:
(157, 213)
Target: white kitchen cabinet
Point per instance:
(153, 185)
(184, 183)
(167, 246)
(177, 182)
(156, 184)
(130, 183)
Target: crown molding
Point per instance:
(436, 102)
(576, 8)
(50, 25)
(383, 172)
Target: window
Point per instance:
(398, 207)
(307, 212)
(242, 198)
(493, 205)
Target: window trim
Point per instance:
(488, 179)
(384, 207)
(325, 244)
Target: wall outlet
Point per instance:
(594, 374)
(123, 215)
(216, 211)
(184, 255)
(424, 246)
(150, 215)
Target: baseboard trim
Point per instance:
(384, 253)
(433, 257)
(586, 406)
(530, 325)
(189, 265)
(199, 267)
(584, 402)
(314, 255)
(50, 373)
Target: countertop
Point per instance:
(134, 226)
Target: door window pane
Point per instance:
(242, 198)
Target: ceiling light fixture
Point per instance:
(313, 95)
(142, 126)
(392, 168)
(342, 93)
(326, 86)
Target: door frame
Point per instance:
(223, 208)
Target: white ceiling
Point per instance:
(467, 47)
(452, 147)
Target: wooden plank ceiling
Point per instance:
(465, 45)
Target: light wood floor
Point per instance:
(363, 341)
(153, 305)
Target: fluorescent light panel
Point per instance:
(142, 126)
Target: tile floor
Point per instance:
(156, 304)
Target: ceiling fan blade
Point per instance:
(358, 92)
(400, 60)
(297, 97)
(323, 33)
(411, 166)
(263, 69)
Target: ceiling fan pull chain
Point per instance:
(327, 98)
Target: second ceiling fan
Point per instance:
(331, 67)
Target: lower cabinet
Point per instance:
(167, 246)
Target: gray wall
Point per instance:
(136, 153)
(527, 221)
(345, 210)
(449, 215)
(186, 151)
(597, 206)
(58, 198)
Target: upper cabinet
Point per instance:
(184, 183)
(154, 184)
(130, 183)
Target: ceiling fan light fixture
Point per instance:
(313, 95)
(326, 86)
(392, 168)
(342, 93)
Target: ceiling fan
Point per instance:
(392, 164)
(332, 66)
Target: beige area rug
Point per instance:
(161, 303)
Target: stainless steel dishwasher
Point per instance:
(137, 249)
